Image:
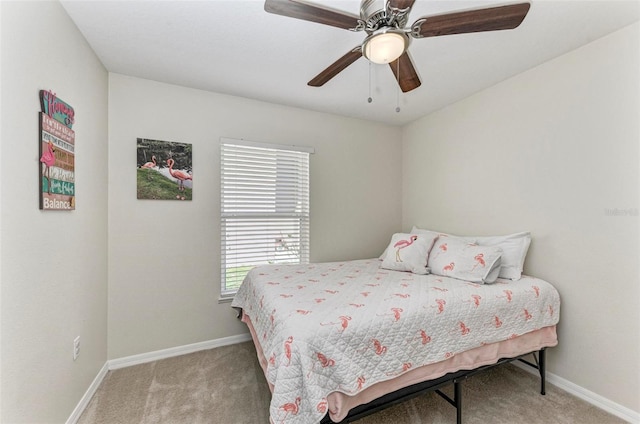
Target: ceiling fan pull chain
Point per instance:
(369, 99)
(398, 86)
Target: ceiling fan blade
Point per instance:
(408, 78)
(336, 67)
(312, 12)
(489, 19)
(401, 4)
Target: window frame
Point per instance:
(287, 206)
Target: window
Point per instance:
(264, 191)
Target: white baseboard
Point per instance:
(84, 401)
(143, 358)
(588, 396)
(148, 357)
(595, 399)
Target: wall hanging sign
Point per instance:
(57, 154)
(164, 170)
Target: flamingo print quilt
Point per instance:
(344, 326)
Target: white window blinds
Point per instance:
(264, 208)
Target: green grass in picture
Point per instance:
(235, 276)
(153, 185)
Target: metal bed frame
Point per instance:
(456, 378)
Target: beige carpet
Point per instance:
(226, 386)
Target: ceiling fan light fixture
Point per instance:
(385, 45)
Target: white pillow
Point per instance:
(514, 250)
(458, 258)
(408, 252)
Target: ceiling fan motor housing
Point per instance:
(375, 15)
(372, 12)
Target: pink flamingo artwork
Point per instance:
(441, 303)
(424, 337)
(151, 164)
(179, 175)
(48, 159)
(324, 361)
(379, 348)
(497, 321)
(287, 349)
(402, 244)
(290, 408)
(476, 298)
(441, 249)
(464, 330)
(479, 261)
(344, 322)
(448, 268)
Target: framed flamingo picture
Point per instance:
(57, 154)
(164, 170)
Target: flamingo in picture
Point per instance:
(48, 159)
(179, 175)
(402, 244)
(151, 164)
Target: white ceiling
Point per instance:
(235, 47)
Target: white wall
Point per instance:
(550, 151)
(164, 256)
(53, 264)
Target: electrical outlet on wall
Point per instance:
(76, 348)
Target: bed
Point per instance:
(338, 340)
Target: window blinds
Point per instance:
(264, 208)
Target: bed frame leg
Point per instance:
(542, 368)
(457, 397)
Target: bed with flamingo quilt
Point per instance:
(330, 336)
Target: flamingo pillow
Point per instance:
(465, 260)
(409, 252)
(514, 250)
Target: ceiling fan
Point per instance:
(388, 37)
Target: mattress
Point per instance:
(330, 332)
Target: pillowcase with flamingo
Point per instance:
(409, 252)
(465, 260)
(514, 250)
